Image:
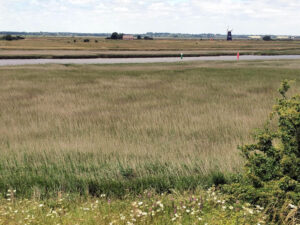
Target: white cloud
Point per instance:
(135, 16)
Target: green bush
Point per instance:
(116, 36)
(267, 38)
(9, 37)
(272, 170)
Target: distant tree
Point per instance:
(139, 37)
(8, 37)
(120, 36)
(20, 37)
(148, 38)
(116, 36)
(267, 38)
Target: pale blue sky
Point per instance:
(139, 16)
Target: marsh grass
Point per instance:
(67, 43)
(93, 129)
(65, 47)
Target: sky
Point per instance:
(281, 17)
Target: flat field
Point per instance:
(49, 47)
(118, 129)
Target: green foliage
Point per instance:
(186, 208)
(116, 36)
(148, 38)
(218, 178)
(272, 170)
(9, 37)
(267, 38)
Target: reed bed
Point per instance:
(95, 129)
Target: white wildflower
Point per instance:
(250, 211)
(292, 206)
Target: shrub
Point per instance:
(272, 170)
(86, 40)
(218, 178)
(9, 37)
(148, 38)
(267, 38)
(116, 36)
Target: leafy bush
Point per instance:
(272, 170)
(218, 178)
(116, 36)
(9, 37)
(267, 38)
(148, 38)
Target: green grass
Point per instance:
(199, 207)
(94, 129)
(65, 47)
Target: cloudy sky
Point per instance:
(139, 16)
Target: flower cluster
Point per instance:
(200, 207)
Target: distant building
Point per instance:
(128, 37)
(283, 37)
(229, 35)
(255, 37)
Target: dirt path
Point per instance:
(7, 62)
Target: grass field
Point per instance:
(57, 47)
(103, 129)
(199, 207)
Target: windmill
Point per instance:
(229, 34)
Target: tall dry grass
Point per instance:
(67, 43)
(73, 127)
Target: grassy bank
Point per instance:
(140, 55)
(63, 47)
(197, 207)
(118, 55)
(95, 129)
(65, 43)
